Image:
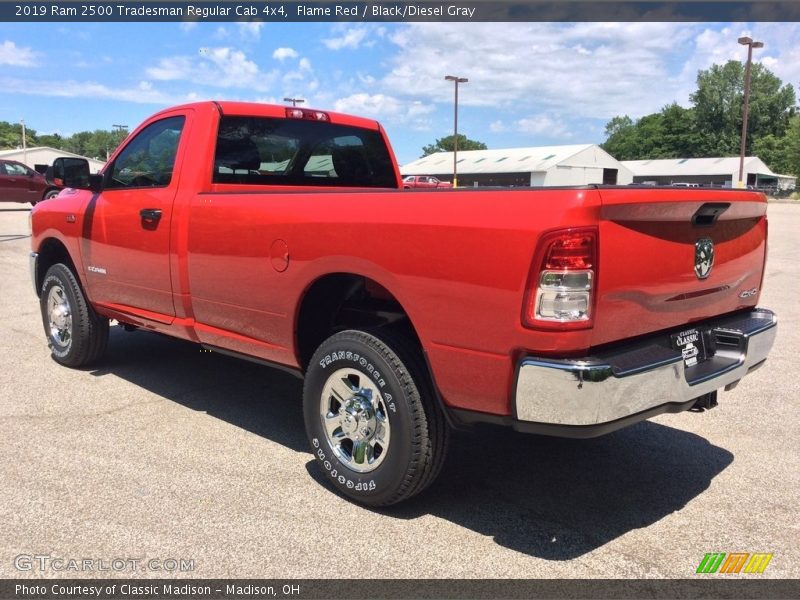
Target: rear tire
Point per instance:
(374, 427)
(76, 334)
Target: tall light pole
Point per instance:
(456, 81)
(294, 101)
(24, 143)
(746, 41)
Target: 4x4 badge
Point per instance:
(703, 257)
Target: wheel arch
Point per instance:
(345, 300)
(337, 301)
(52, 251)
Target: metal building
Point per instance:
(40, 157)
(521, 167)
(722, 171)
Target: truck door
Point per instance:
(126, 250)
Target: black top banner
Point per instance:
(487, 11)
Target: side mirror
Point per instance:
(74, 173)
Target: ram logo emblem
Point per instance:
(703, 257)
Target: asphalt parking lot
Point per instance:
(165, 451)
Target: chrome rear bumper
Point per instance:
(643, 378)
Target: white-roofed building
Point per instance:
(723, 171)
(38, 157)
(579, 164)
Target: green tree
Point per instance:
(621, 138)
(52, 140)
(712, 125)
(446, 144)
(680, 135)
(718, 104)
(791, 144)
(771, 149)
(11, 135)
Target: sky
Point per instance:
(530, 84)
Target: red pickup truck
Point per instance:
(283, 235)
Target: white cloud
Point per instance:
(16, 56)
(250, 30)
(142, 93)
(497, 127)
(187, 26)
(543, 125)
(304, 64)
(222, 67)
(590, 70)
(351, 38)
(284, 53)
(386, 108)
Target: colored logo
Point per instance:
(735, 562)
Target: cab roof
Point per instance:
(256, 109)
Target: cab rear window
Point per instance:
(269, 151)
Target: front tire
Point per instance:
(50, 194)
(76, 334)
(373, 424)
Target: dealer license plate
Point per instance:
(692, 346)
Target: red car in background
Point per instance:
(19, 183)
(424, 182)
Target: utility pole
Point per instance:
(456, 81)
(24, 143)
(294, 101)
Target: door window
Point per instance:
(149, 158)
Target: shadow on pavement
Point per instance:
(552, 498)
(256, 398)
(558, 499)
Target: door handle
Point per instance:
(150, 215)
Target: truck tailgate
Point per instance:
(655, 246)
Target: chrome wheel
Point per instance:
(59, 315)
(355, 420)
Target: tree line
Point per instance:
(712, 125)
(98, 144)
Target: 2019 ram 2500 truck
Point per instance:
(283, 235)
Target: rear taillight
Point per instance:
(560, 292)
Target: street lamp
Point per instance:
(746, 41)
(24, 143)
(456, 81)
(294, 101)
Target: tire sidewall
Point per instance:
(348, 350)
